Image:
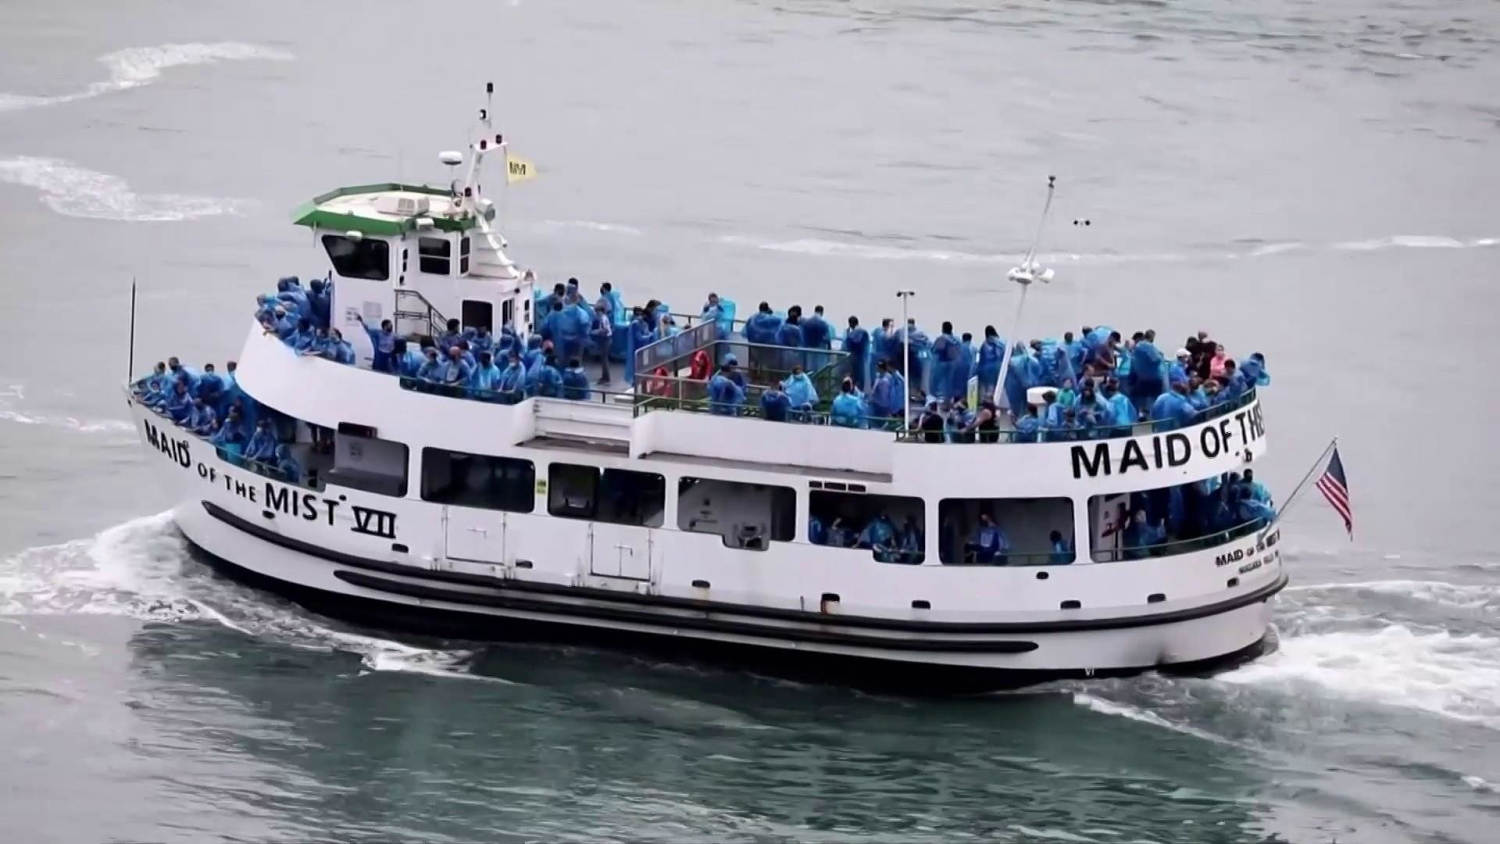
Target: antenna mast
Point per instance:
(1029, 271)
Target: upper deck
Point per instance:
(617, 427)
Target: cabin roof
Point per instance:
(356, 209)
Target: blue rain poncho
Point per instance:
(774, 405)
(575, 383)
(1170, 411)
(287, 465)
(886, 345)
(762, 328)
(848, 411)
(725, 396)
(1255, 372)
(816, 333)
(483, 379)
(179, 404)
(512, 383)
(857, 344)
(548, 381)
(921, 355)
(800, 391)
(383, 343)
(202, 420)
(1027, 428)
(987, 366)
(1146, 373)
(262, 445)
(885, 398)
(944, 362)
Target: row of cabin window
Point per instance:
(744, 515)
(371, 258)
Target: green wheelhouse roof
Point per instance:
(318, 214)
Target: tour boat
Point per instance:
(635, 518)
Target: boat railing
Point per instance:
(415, 316)
(665, 392)
(1097, 432)
(1029, 558)
(588, 394)
(1178, 546)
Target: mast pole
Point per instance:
(130, 364)
(1024, 275)
(904, 295)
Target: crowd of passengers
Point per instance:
(1100, 383)
(1211, 508)
(211, 404)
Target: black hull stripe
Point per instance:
(626, 599)
(437, 593)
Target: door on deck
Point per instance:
(475, 314)
(476, 535)
(620, 551)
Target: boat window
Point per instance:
(1005, 531)
(1177, 519)
(463, 256)
(368, 463)
(362, 258)
(746, 515)
(432, 254)
(889, 527)
(478, 480)
(613, 495)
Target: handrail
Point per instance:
(433, 318)
(1029, 558)
(1178, 546)
(1104, 432)
(409, 382)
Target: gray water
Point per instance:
(1315, 180)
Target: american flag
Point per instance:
(1335, 488)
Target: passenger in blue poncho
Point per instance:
(287, 466)
(774, 404)
(1021, 375)
(262, 445)
(987, 364)
(202, 420)
(964, 369)
(944, 361)
(921, 352)
(800, 390)
(231, 435)
(548, 379)
(575, 382)
(857, 345)
(1028, 426)
(179, 404)
(725, 396)
(885, 397)
(1172, 409)
(789, 335)
(512, 383)
(849, 409)
(880, 537)
(484, 378)
(1146, 371)
(988, 544)
(1062, 551)
(816, 332)
(885, 342)
(1177, 370)
(406, 360)
(383, 342)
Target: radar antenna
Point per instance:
(1030, 270)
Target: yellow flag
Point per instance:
(518, 169)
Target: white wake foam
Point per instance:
(72, 423)
(74, 191)
(1451, 676)
(592, 225)
(137, 66)
(137, 570)
(1122, 710)
(1474, 596)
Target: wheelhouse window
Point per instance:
(749, 516)
(361, 460)
(1005, 531)
(1177, 519)
(433, 254)
(478, 480)
(358, 257)
(463, 256)
(613, 495)
(889, 527)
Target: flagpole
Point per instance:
(1297, 490)
(130, 364)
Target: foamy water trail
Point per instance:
(141, 569)
(137, 66)
(11, 411)
(74, 191)
(1452, 676)
(1477, 596)
(1145, 716)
